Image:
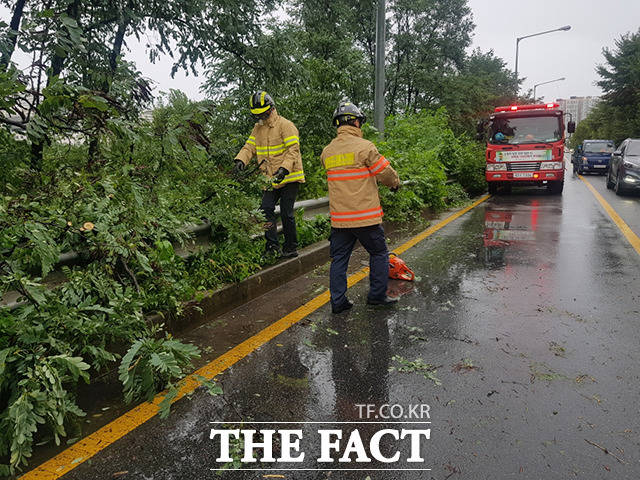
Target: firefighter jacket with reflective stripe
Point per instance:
(275, 143)
(354, 167)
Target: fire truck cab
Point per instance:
(525, 146)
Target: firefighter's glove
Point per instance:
(280, 174)
(239, 166)
(396, 188)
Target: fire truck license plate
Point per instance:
(522, 174)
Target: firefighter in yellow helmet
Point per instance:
(275, 143)
(354, 167)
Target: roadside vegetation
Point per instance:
(617, 116)
(94, 162)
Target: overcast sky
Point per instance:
(572, 54)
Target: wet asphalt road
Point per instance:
(527, 308)
(626, 205)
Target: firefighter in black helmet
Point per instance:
(275, 143)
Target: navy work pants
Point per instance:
(287, 197)
(342, 242)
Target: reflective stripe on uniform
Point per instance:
(270, 149)
(352, 174)
(292, 177)
(291, 140)
(349, 174)
(266, 147)
(357, 215)
(380, 165)
(276, 149)
(251, 140)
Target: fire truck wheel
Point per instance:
(493, 188)
(556, 187)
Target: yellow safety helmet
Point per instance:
(260, 103)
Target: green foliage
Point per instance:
(617, 116)
(49, 344)
(483, 83)
(122, 212)
(153, 364)
(620, 77)
(38, 399)
(311, 231)
(424, 150)
(469, 166)
(428, 39)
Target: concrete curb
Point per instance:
(227, 298)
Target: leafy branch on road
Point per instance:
(540, 371)
(427, 370)
(465, 365)
(153, 364)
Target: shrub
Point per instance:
(424, 151)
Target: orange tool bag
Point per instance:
(398, 269)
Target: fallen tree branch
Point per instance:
(130, 273)
(605, 450)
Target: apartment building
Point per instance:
(578, 107)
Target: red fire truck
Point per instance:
(525, 146)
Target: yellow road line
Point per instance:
(86, 448)
(633, 239)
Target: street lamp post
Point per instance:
(544, 83)
(378, 115)
(564, 29)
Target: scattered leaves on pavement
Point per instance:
(427, 370)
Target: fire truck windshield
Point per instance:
(525, 129)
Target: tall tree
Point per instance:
(80, 43)
(618, 115)
(620, 76)
(483, 83)
(9, 45)
(428, 42)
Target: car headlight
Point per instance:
(494, 167)
(551, 166)
(630, 179)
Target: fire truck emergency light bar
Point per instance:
(514, 108)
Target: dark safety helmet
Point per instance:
(260, 103)
(346, 113)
